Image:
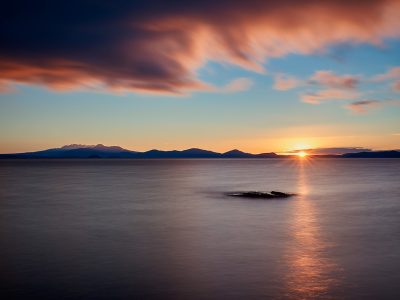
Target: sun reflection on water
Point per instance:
(310, 270)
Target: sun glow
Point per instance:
(301, 154)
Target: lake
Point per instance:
(165, 229)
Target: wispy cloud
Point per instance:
(333, 86)
(327, 85)
(396, 86)
(284, 82)
(328, 94)
(364, 106)
(6, 87)
(331, 80)
(236, 85)
(392, 73)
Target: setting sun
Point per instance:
(302, 154)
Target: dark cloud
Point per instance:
(157, 46)
(364, 106)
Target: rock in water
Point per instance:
(261, 195)
(280, 194)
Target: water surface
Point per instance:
(163, 229)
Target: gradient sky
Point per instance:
(255, 75)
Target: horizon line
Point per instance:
(293, 152)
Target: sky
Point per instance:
(259, 76)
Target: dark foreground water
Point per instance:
(163, 229)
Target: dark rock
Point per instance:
(260, 195)
(280, 194)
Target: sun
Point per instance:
(302, 154)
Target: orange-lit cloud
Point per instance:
(334, 81)
(396, 86)
(392, 73)
(329, 94)
(236, 85)
(158, 46)
(330, 86)
(285, 82)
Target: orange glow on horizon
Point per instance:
(301, 154)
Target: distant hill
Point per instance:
(101, 151)
(239, 154)
(373, 154)
(76, 151)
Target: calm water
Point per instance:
(163, 229)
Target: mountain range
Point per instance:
(101, 151)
